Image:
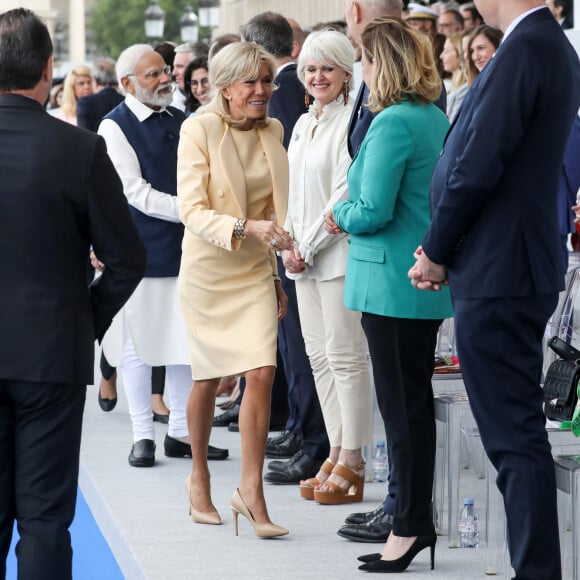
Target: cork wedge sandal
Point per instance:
(307, 485)
(336, 495)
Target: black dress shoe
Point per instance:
(278, 438)
(160, 418)
(365, 517)
(227, 417)
(287, 448)
(373, 532)
(280, 465)
(142, 453)
(176, 448)
(303, 468)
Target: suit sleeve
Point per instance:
(115, 241)
(193, 175)
(496, 129)
(384, 161)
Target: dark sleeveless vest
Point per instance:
(155, 143)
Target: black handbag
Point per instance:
(561, 382)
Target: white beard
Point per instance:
(153, 98)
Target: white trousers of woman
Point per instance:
(137, 382)
(337, 349)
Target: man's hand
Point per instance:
(425, 274)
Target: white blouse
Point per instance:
(319, 161)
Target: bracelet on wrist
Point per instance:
(239, 232)
(275, 278)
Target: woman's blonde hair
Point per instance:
(69, 100)
(404, 64)
(459, 76)
(239, 61)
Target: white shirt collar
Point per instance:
(285, 65)
(515, 22)
(140, 110)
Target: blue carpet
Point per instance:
(92, 557)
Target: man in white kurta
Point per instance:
(142, 135)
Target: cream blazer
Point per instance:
(211, 187)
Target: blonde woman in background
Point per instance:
(77, 83)
(452, 59)
(334, 339)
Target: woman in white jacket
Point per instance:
(335, 343)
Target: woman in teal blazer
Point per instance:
(386, 215)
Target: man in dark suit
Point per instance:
(495, 237)
(305, 424)
(92, 108)
(59, 195)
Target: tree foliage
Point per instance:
(116, 24)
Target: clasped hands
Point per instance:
(425, 274)
(269, 233)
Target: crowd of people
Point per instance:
(253, 217)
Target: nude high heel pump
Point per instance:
(212, 518)
(261, 530)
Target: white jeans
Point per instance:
(337, 348)
(137, 382)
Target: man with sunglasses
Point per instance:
(142, 134)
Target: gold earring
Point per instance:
(307, 99)
(345, 92)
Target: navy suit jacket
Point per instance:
(92, 108)
(494, 189)
(287, 102)
(49, 217)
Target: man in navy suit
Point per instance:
(59, 194)
(92, 108)
(494, 237)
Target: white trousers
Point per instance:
(337, 349)
(137, 382)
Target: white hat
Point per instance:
(422, 12)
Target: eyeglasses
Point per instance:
(155, 73)
(194, 84)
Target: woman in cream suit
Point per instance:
(318, 158)
(232, 184)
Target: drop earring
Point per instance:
(307, 99)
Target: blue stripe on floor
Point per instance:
(92, 557)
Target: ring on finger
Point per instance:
(273, 242)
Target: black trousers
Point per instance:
(40, 436)
(500, 352)
(403, 352)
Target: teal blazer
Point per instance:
(387, 213)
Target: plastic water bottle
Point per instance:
(380, 471)
(468, 525)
